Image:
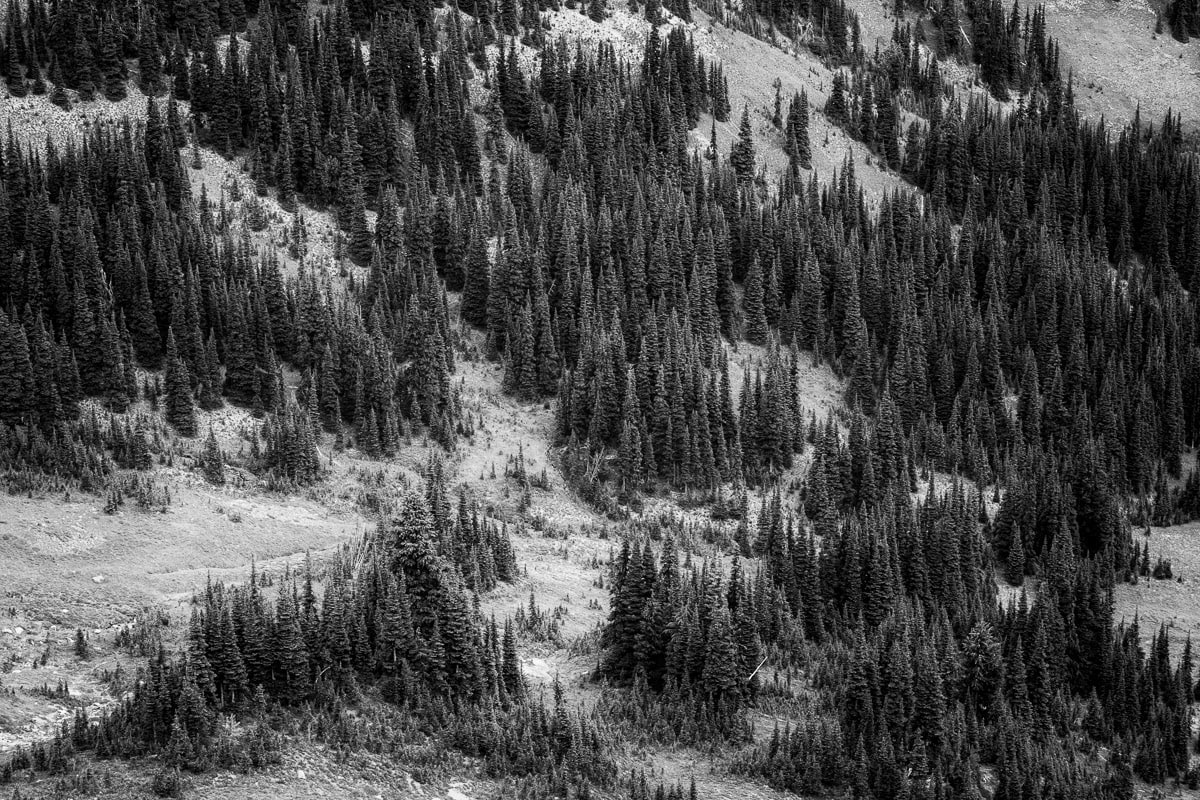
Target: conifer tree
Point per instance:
(1014, 570)
(150, 75)
(475, 302)
(796, 142)
(181, 414)
(16, 372)
(110, 63)
(741, 155)
(752, 301)
(14, 74)
(835, 106)
(213, 461)
(513, 680)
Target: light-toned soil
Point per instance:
(561, 554)
(224, 179)
(308, 771)
(34, 119)
(66, 564)
(1119, 62)
(751, 67)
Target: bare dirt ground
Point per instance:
(751, 66)
(562, 551)
(226, 181)
(1118, 61)
(34, 119)
(876, 20)
(713, 781)
(308, 771)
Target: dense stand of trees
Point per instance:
(1184, 19)
(884, 641)
(1014, 53)
(919, 676)
(107, 266)
(707, 253)
(1028, 321)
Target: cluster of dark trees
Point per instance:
(1174, 505)
(868, 99)
(690, 639)
(1014, 53)
(868, 116)
(830, 28)
(1184, 18)
(397, 613)
(918, 675)
(156, 281)
(896, 652)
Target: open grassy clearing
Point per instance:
(1174, 603)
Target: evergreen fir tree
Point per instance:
(213, 461)
(181, 414)
(741, 155)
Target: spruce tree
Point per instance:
(475, 298)
(835, 107)
(180, 412)
(1014, 565)
(16, 372)
(741, 154)
(213, 461)
(752, 302)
